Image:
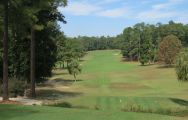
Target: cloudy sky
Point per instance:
(110, 17)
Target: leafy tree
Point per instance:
(46, 51)
(182, 66)
(61, 49)
(77, 49)
(74, 68)
(147, 38)
(169, 48)
(145, 46)
(173, 28)
(68, 49)
(129, 50)
(156, 38)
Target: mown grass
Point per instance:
(13, 112)
(109, 88)
(108, 83)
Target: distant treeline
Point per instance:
(96, 43)
(137, 41)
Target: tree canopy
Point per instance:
(169, 48)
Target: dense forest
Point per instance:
(29, 30)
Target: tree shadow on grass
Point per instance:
(55, 94)
(146, 65)
(179, 101)
(45, 85)
(65, 82)
(82, 60)
(58, 81)
(8, 112)
(165, 67)
(60, 73)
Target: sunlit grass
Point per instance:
(106, 78)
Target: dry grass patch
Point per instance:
(129, 86)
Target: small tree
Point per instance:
(169, 48)
(74, 68)
(182, 66)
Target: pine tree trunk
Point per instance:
(63, 64)
(67, 64)
(5, 53)
(60, 65)
(32, 67)
(74, 77)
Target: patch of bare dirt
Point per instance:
(10, 102)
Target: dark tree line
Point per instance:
(29, 30)
(95, 43)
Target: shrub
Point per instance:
(144, 58)
(74, 68)
(16, 87)
(182, 66)
(169, 48)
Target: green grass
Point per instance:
(108, 83)
(109, 88)
(12, 112)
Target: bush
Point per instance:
(16, 87)
(74, 68)
(182, 66)
(144, 58)
(169, 48)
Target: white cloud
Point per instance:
(154, 14)
(113, 13)
(81, 8)
(85, 8)
(167, 4)
(183, 18)
(161, 11)
(145, 1)
(108, 1)
(105, 8)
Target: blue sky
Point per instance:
(110, 17)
